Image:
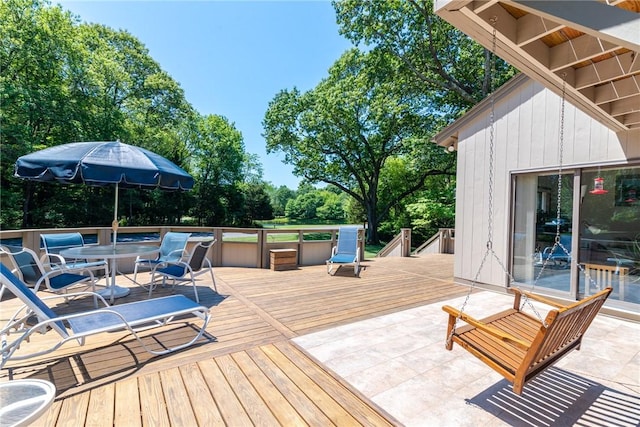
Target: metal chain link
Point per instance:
(489, 250)
(556, 242)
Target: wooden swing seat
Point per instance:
(519, 346)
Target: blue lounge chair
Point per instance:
(195, 265)
(54, 243)
(558, 254)
(172, 249)
(31, 270)
(346, 251)
(133, 317)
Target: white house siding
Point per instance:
(526, 138)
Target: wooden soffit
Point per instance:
(594, 45)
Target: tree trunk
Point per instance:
(372, 220)
(26, 206)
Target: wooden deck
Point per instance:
(245, 371)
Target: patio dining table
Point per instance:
(112, 253)
(23, 401)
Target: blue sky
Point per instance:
(232, 57)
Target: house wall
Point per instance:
(526, 138)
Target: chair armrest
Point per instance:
(76, 294)
(178, 253)
(46, 260)
(501, 335)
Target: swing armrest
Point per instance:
(536, 297)
(501, 335)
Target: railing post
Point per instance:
(31, 240)
(405, 242)
(104, 236)
(361, 242)
(300, 247)
(217, 248)
(446, 240)
(263, 253)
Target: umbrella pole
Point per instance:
(114, 224)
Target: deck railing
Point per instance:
(235, 247)
(443, 242)
(398, 246)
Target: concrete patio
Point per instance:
(400, 363)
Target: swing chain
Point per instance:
(557, 241)
(560, 154)
(489, 245)
(492, 66)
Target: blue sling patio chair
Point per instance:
(54, 243)
(556, 254)
(172, 249)
(346, 251)
(133, 317)
(196, 264)
(34, 272)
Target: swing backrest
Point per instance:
(564, 330)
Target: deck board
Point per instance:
(200, 398)
(100, 410)
(153, 408)
(127, 403)
(280, 407)
(230, 407)
(245, 370)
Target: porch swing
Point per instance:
(517, 345)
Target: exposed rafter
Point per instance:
(595, 43)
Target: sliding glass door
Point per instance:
(543, 231)
(591, 239)
(610, 233)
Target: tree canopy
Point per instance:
(345, 130)
(366, 128)
(62, 81)
(440, 61)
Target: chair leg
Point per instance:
(135, 273)
(195, 288)
(106, 271)
(93, 288)
(213, 279)
(152, 285)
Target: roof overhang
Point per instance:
(594, 45)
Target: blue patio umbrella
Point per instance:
(101, 164)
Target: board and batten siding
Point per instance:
(527, 119)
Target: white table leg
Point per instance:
(112, 290)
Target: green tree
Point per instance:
(333, 207)
(345, 130)
(437, 59)
(279, 198)
(252, 170)
(36, 48)
(257, 203)
(304, 206)
(432, 208)
(62, 82)
(217, 161)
